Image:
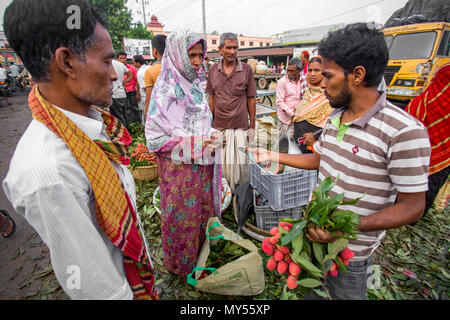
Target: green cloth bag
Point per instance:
(242, 277)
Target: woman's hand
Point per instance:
(209, 145)
(215, 141)
(218, 137)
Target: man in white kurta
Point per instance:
(45, 183)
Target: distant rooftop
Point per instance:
(154, 22)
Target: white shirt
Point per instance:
(118, 89)
(47, 185)
(14, 70)
(140, 78)
(3, 74)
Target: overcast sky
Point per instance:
(264, 17)
(3, 4)
(259, 17)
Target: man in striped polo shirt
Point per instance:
(377, 150)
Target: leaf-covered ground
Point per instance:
(413, 260)
(411, 263)
(173, 286)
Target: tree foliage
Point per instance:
(119, 18)
(139, 32)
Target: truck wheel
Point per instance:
(263, 83)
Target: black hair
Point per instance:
(159, 43)
(316, 59)
(139, 59)
(35, 29)
(121, 53)
(357, 45)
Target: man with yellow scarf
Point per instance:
(68, 175)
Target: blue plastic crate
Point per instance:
(266, 218)
(283, 191)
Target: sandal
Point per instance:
(5, 226)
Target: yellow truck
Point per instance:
(416, 52)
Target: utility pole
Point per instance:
(143, 11)
(204, 19)
(144, 2)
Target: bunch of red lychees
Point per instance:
(280, 256)
(282, 262)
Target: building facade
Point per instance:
(213, 39)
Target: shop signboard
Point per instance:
(138, 46)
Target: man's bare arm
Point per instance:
(138, 91)
(408, 209)
(128, 79)
(308, 161)
(251, 105)
(212, 101)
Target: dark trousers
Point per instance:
(134, 113)
(351, 286)
(435, 183)
(119, 109)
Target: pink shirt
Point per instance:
(289, 95)
(131, 86)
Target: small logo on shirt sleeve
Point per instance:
(355, 149)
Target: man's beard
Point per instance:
(342, 100)
(91, 97)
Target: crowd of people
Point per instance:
(68, 176)
(12, 78)
(133, 88)
(280, 68)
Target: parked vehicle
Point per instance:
(416, 52)
(13, 84)
(4, 93)
(263, 80)
(5, 88)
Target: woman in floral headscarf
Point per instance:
(178, 130)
